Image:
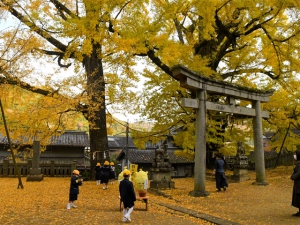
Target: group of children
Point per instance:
(126, 189)
(105, 174)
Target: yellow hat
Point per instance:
(76, 172)
(126, 172)
(106, 163)
(98, 164)
(112, 164)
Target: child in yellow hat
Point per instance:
(112, 176)
(105, 173)
(74, 189)
(98, 173)
(127, 195)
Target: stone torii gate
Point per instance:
(202, 86)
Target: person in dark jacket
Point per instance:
(221, 181)
(74, 189)
(105, 173)
(127, 195)
(296, 188)
(112, 176)
(98, 173)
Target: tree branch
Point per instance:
(62, 8)
(179, 32)
(110, 27)
(36, 29)
(8, 79)
(236, 72)
(159, 63)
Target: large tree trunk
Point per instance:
(96, 109)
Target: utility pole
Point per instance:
(11, 149)
(126, 156)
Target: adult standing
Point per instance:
(74, 189)
(105, 173)
(296, 188)
(127, 195)
(221, 181)
(98, 173)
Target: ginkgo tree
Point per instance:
(21, 108)
(284, 117)
(250, 43)
(85, 36)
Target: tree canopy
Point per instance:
(84, 37)
(97, 43)
(250, 43)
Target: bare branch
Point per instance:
(110, 27)
(8, 79)
(62, 8)
(36, 29)
(179, 32)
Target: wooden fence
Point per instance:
(286, 159)
(51, 169)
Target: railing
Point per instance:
(48, 169)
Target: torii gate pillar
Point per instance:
(200, 147)
(258, 145)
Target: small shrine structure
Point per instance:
(161, 168)
(240, 164)
(35, 172)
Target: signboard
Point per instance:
(133, 170)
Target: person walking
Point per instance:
(221, 181)
(74, 188)
(112, 176)
(98, 173)
(296, 188)
(127, 195)
(105, 173)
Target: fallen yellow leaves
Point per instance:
(45, 202)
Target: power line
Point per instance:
(139, 131)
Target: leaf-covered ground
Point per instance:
(45, 202)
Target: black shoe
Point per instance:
(224, 189)
(218, 190)
(296, 214)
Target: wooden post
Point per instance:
(29, 165)
(35, 172)
(5, 167)
(52, 167)
(73, 166)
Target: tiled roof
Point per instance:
(68, 138)
(146, 156)
(71, 138)
(3, 139)
(119, 141)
